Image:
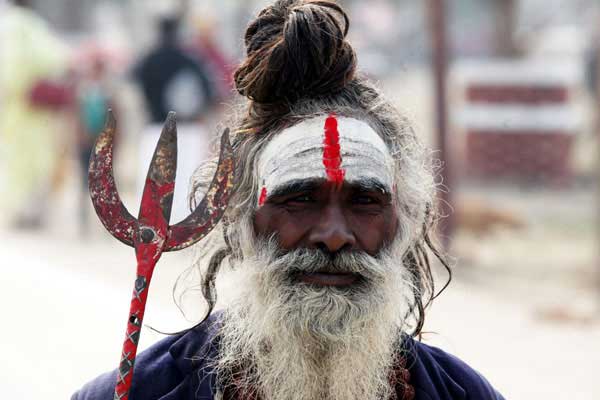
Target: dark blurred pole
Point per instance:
(504, 15)
(596, 89)
(439, 58)
(184, 8)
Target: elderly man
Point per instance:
(327, 236)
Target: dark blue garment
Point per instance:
(174, 369)
(158, 73)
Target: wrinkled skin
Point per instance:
(329, 218)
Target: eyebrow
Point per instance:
(308, 185)
(296, 186)
(370, 185)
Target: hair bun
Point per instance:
(296, 49)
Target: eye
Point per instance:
(299, 199)
(365, 199)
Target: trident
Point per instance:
(150, 234)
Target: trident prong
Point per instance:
(202, 219)
(151, 234)
(122, 225)
(103, 190)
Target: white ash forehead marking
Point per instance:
(297, 153)
(309, 134)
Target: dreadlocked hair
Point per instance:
(299, 65)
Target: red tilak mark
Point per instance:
(332, 159)
(263, 197)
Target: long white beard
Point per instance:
(290, 340)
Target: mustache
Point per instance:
(291, 263)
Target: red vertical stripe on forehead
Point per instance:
(332, 158)
(263, 197)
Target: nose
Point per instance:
(333, 232)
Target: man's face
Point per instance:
(321, 292)
(327, 184)
(317, 214)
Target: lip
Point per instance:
(328, 279)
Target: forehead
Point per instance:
(308, 150)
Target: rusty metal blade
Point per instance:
(160, 181)
(103, 190)
(208, 213)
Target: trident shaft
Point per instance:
(150, 234)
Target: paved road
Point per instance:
(64, 303)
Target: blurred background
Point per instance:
(505, 92)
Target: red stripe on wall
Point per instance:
(517, 94)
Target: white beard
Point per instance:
(294, 341)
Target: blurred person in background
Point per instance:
(172, 80)
(327, 235)
(206, 48)
(94, 98)
(33, 62)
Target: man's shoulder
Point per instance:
(441, 375)
(154, 364)
(163, 369)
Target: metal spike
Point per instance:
(103, 191)
(210, 210)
